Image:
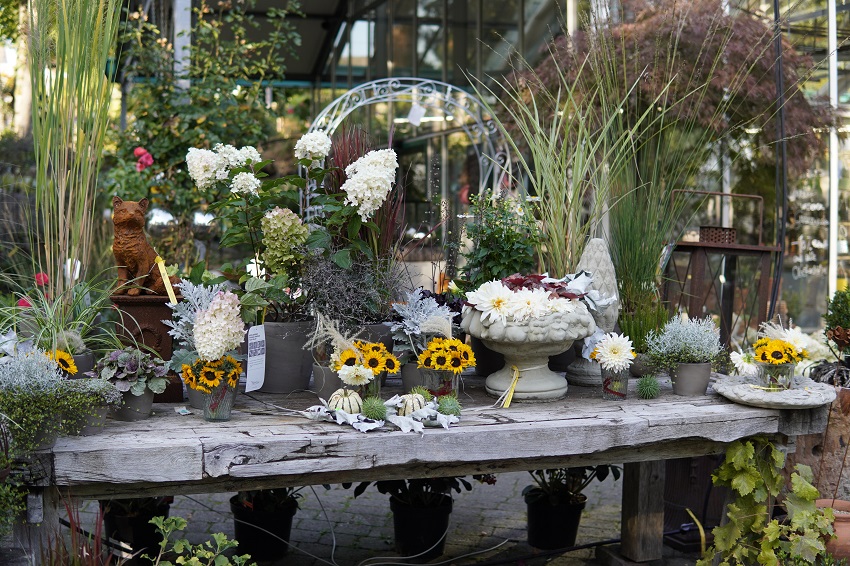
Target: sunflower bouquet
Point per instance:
(774, 355)
(441, 362)
(358, 363)
(204, 376)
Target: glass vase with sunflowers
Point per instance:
(218, 380)
(774, 356)
(360, 364)
(441, 364)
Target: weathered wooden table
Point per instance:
(260, 448)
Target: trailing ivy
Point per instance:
(753, 470)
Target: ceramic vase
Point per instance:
(691, 379)
(439, 382)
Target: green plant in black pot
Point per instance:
(214, 552)
(263, 520)
(129, 521)
(555, 503)
(421, 508)
(837, 319)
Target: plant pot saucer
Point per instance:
(803, 394)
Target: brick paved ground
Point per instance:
(362, 528)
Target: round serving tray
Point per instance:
(803, 394)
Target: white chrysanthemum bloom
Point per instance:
(744, 364)
(232, 156)
(563, 305)
(355, 375)
(315, 145)
(219, 328)
(614, 352)
(529, 303)
(493, 299)
(245, 183)
(204, 165)
(250, 154)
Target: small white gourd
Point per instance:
(410, 403)
(346, 400)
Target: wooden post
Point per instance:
(41, 525)
(643, 511)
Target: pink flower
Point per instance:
(41, 279)
(145, 161)
(22, 302)
(139, 151)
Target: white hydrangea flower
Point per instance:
(355, 375)
(245, 183)
(219, 328)
(315, 145)
(230, 154)
(250, 154)
(370, 180)
(204, 166)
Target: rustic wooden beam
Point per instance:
(643, 511)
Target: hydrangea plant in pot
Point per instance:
(686, 348)
(137, 375)
(262, 521)
(556, 501)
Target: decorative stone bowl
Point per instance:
(527, 346)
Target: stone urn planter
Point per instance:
(527, 346)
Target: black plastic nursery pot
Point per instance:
(420, 532)
(250, 526)
(133, 530)
(552, 526)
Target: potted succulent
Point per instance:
(137, 375)
(262, 521)
(555, 503)
(504, 238)
(686, 348)
(87, 402)
(421, 509)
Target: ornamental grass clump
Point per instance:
(684, 341)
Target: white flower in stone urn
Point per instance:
(529, 318)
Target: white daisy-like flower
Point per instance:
(245, 183)
(564, 306)
(204, 165)
(529, 303)
(493, 299)
(744, 364)
(355, 375)
(614, 352)
(315, 145)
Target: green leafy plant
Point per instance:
(209, 553)
(423, 492)
(837, 319)
(682, 341)
(504, 239)
(11, 494)
(83, 398)
(638, 323)
(132, 370)
(565, 485)
(753, 471)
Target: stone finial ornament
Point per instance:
(597, 261)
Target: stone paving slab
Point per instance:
(339, 530)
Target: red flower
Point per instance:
(139, 151)
(22, 302)
(145, 161)
(41, 279)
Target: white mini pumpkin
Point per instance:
(346, 400)
(410, 403)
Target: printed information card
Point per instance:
(256, 365)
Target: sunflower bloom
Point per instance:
(64, 360)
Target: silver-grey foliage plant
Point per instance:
(684, 341)
(29, 373)
(415, 312)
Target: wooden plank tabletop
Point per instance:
(260, 447)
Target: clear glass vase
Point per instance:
(776, 377)
(218, 403)
(439, 382)
(615, 384)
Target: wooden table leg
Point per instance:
(643, 511)
(41, 525)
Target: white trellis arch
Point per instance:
(485, 137)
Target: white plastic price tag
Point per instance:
(256, 370)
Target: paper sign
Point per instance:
(416, 114)
(256, 371)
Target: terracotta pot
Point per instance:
(141, 323)
(839, 547)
